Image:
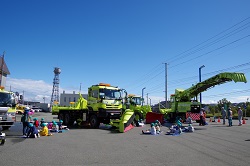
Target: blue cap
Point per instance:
(43, 124)
(30, 125)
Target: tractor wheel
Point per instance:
(61, 117)
(67, 119)
(138, 116)
(94, 122)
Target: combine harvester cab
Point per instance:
(184, 103)
(134, 103)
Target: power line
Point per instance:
(229, 93)
(212, 51)
(150, 76)
(176, 57)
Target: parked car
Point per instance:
(36, 109)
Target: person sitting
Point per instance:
(189, 120)
(55, 127)
(44, 131)
(151, 131)
(61, 126)
(42, 121)
(32, 131)
(158, 123)
(190, 128)
(36, 122)
(174, 130)
(157, 126)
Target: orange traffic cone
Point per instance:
(244, 121)
(218, 119)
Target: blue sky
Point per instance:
(125, 43)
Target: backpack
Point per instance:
(24, 118)
(36, 123)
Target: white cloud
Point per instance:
(33, 90)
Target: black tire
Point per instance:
(138, 116)
(5, 127)
(61, 117)
(3, 141)
(94, 122)
(67, 119)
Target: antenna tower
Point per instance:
(55, 90)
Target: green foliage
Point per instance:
(223, 103)
(212, 109)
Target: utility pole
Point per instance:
(23, 97)
(166, 83)
(246, 108)
(200, 78)
(150, 101)
(142, 95)
(2, 68)
(147, 98)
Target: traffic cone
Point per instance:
(244, 121)
(218, 119)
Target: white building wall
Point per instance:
(66, 98)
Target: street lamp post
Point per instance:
(200, 79)
(142, 95)
(246, 108)
(147, 98)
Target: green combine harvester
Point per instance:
(184, 103)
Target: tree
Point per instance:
(212, 109)
(224, 103)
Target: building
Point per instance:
(66, 98)
(4, 71)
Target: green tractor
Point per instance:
(134, 103)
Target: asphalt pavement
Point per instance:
(213, 144)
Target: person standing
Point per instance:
(240, 114)
(223, 114)
(230, 117)
(201, 117)
(25, 119)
